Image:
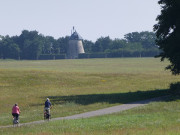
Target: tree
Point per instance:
(32, 49)
(88, 46)
(1, 37)
(168, 33)
(63, 43)
(8, 49)
(118, 43)
(25, 42)
(49, 46)
(102, 44)
(147, 39)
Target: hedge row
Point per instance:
(118, 54)
(51, 57)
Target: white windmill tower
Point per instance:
(75, 46)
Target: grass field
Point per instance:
(76, 86)
(161, 118)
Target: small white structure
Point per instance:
(75, 46)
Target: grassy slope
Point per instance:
(160, 118)
(76, 86)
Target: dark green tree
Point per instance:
(117, 44)
(102, 44)
(88, 46)
(9, 49)
(63, 43)
(147, 39)
(32, 49)
(30, 43)
(168, 33)
(50, 45)
(1, 37)
(24, 41)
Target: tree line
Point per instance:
(31, 45)
(135, 44)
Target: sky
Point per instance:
(92, 19)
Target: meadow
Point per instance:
(81, 85)
(160, 118)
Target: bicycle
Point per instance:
(47, 116)
(15, 122)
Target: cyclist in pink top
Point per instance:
(16, 111)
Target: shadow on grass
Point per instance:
(108, 98)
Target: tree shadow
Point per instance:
(109, 98)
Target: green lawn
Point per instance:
(159, 118)
(76, 86)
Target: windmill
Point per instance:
(75, 46)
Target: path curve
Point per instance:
(99, 112)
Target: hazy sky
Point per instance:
(91, 18)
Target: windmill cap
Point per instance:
(76, 36)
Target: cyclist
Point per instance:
(16, 111)
(47, 106)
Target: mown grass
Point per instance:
(158, 118)
(76, 86)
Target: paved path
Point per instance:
(99, 112)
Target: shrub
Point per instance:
(175, 88)
(51, 56)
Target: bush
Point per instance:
(51, 56)
(83, 55)
(175, 88)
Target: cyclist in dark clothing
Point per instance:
(47, 106)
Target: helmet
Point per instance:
(47, 99)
